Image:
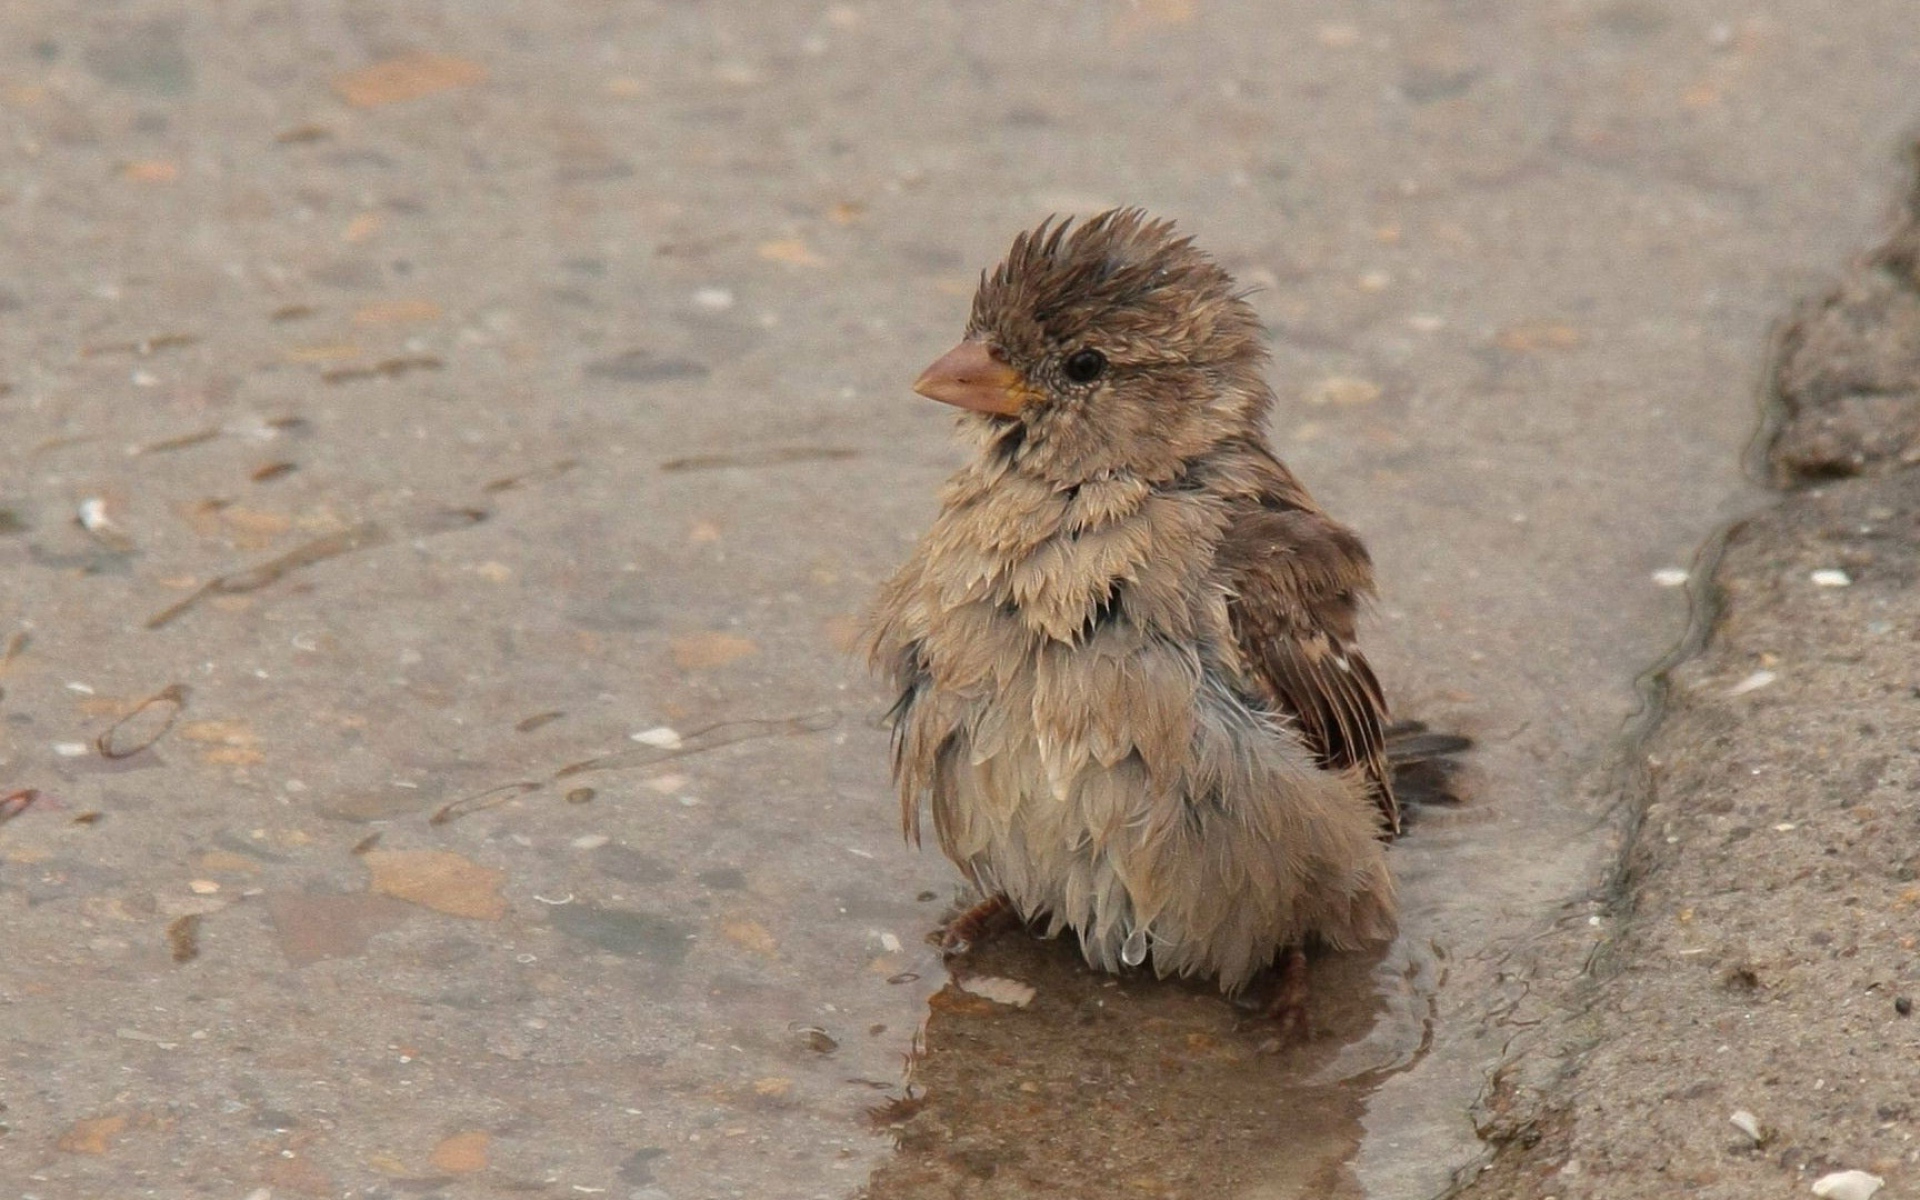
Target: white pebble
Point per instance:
(713, 299)
(70, 749)
(591, 841)
(1748, 1124)
(1752, 683)
(1001, 991)
(1848, 1185)
(1830, 578)
(660, 735)
(890, 943)
(1670, 576)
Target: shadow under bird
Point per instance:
(1129, 690)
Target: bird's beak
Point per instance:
(969, 376)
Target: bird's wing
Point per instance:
(1296, 578)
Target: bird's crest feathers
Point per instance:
(1128, 276)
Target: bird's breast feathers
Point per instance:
(1073, 715)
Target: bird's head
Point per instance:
(1105, 347)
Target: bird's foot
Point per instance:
(1287, 1009)
(971, 927)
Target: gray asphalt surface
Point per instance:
(405, 407)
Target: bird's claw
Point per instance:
(1287, 1011)
(969, 928)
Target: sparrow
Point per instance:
(1129, 692)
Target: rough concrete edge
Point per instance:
(1516, 1114)
(1896, 255)
(1518, 1109)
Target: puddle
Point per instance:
(413, 891)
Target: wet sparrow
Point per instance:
(1128, 686)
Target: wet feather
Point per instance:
(1130, 693)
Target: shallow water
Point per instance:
(453, 424)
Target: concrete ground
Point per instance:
(1763, 956)
(446, 456)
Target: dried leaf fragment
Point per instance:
(792, 251)
(462, 1154)
(93, 1136)
(1540, 335)
(386, 368)
(750, 935)
(146, 724)
(14, 803)
(253, 579)
(225, 733)
(699, 651)
(493, 797)
(439, 880)
(183, 938)
(772, 456)
(156, 170)
(407, 77)
(1145, 17)
(1342, 390)
(396, 312)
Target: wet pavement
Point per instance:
(446, 460)
(1746, 1023)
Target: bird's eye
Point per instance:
(1085, 366)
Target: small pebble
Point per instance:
(1752, 683)
(591, 841)
(93, 515)
(1342, 390)
(660, 735)
(1903, 1005)
(1848, 1185)
(1670, 577)
(1010, 992)
(203, 887)
(70, 749)
(1748, 1124)
(713, 299)
(1830, 578)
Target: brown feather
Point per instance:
(1297, 578)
